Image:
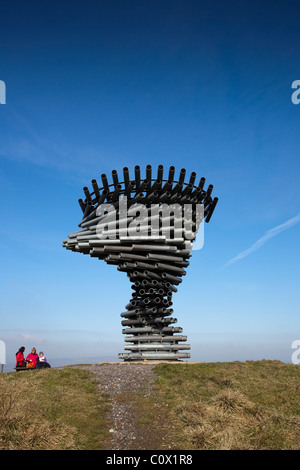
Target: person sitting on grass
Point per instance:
(32, 358)
(42, 357)
(42, 361)
(20, 357)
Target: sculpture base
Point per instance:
(153, 356)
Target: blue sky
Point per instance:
(102, 85)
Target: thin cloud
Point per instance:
(261, 241)
(22, 143)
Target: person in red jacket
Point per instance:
(20, 357)
(32, 357)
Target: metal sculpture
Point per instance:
(146, 227)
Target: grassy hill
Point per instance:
(51, 409)
(235, 405)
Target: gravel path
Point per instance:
(121, 381)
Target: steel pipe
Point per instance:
(149, 173)
(182, 175)
(82, 205)
(115, 178)
(87, 194)
(105, 182)
(96, 188)
(211, 209)
(137, 173)
(126, 176)
(160, 171)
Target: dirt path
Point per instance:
(137, 418)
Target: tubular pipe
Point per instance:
(115, 178)
(137, 174)
(82, 205)
(149, 172)
(160, 171)
(105, 182)
(126, 176)
(87, 194)
(211, 209)
(95, 188)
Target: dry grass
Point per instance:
(251, 405)
(51, 409)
